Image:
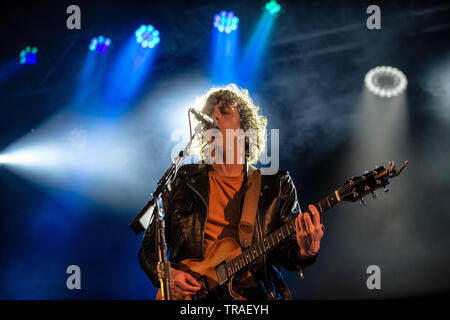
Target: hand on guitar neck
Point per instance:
(309, 232)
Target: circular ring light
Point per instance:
(385, 82)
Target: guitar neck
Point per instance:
(269, 242)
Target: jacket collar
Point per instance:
(196, 176)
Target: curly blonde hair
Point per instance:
(248, 112)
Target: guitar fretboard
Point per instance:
(252, 253)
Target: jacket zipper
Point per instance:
(207, 215)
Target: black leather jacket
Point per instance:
(186, 208)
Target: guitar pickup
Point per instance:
(221, 272)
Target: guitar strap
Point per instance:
(250, 206)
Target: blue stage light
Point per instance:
(28, 55)
(147, 36)
(100, 44)
(273, 7)
(226, 21)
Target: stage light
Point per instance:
(385, 82)
(147, 36)
(100, 44)
(25, 157)
(254, 55)
(273, 7)
(226, 21)
(28, 55)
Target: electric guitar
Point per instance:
(226, 260)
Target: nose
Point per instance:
(216, 113)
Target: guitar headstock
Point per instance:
(358, 187)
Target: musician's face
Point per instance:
(228, 121)
(227, 116)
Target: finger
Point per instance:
(306, 226)
(315, 215)
(300, 232)
(183, 285)
(177, 287)
(179, 294)
(304, 233)
(302, 223)
(191, 280)
(309, 224)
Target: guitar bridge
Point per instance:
(221, 272)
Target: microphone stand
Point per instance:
(142, 221)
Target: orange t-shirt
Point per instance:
(224, 213)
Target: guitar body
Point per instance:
(205, 270)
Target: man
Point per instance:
(205, 205)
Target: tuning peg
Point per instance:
(374, 195)
(363, 202)
(386, 189)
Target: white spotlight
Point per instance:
(385, 82)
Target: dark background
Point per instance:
(310, 86)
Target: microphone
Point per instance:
(209, 122)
